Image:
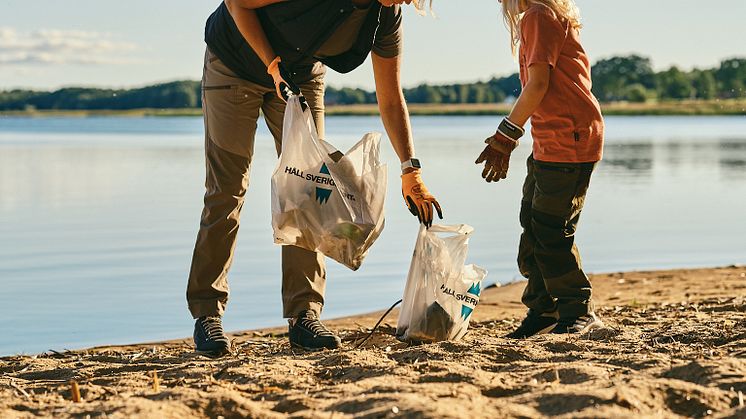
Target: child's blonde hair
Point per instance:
(512, 13)
(420, 6)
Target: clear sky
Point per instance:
(51, 43)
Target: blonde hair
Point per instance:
(420, 6)
(513, 13)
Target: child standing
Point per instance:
(567, 131)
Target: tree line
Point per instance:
(632, 78)
(623, 78)
(174, 95)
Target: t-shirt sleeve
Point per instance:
(543, 37)
(388, 42)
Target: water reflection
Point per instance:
(94, 212)
(629, 160)
(733, 160)
(635, 162)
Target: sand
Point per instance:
(675, 346)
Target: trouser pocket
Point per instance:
(560, 188)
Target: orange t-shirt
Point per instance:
(568, 125)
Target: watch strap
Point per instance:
(510, 130)
(411, 163)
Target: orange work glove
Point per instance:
(496, 155)
(284, 85)
(418, 199)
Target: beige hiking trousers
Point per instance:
(231, 109)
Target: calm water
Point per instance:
(98, 217)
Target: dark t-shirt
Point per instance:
(342, 46)
(387, 44)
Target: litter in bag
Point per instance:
(324, 200)
(441, 292)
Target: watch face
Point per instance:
(416, 164)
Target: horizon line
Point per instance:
(409, 86)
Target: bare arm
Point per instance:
(532, 95)
(395, 117)
(244, 15)
(391, 104)
(496, 155)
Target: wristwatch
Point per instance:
(413, 163)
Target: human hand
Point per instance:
(496, 155)
(419, 200)
(495, 164)
(284, 85)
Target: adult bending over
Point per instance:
(257, 50)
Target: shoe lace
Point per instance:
(213, 327)
(310, 322)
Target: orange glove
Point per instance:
(284, 85)
(418, 199)
(496, 156)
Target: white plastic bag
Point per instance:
(441, 293)
(323, 200)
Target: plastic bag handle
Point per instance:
(303, 102)
(460, 229)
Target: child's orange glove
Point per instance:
(418, 199)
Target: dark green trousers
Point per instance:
(553, 197)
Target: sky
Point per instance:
(47, 44)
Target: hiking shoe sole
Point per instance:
(309, 349)
(214, 354)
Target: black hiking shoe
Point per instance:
(209, 338)
(534, 324)
(307, 332)
(577, 325)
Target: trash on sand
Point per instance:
(441, 292)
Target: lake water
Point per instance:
(98, 217)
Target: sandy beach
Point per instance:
(675, 346)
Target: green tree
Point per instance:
(464, 91)
(636, 93)
(423, 94)
(616, 78)
(731, 77)
(348, 96)
(448, 94)
(507, 86)
(674, 84)
(612, 76)
(704, 84)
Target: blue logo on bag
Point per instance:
(471, 298)
(322, 195)
(475, 290)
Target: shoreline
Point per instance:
(361, 319)
(675, 345)
(726, 107)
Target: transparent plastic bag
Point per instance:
(441, 292)
(324, 200)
